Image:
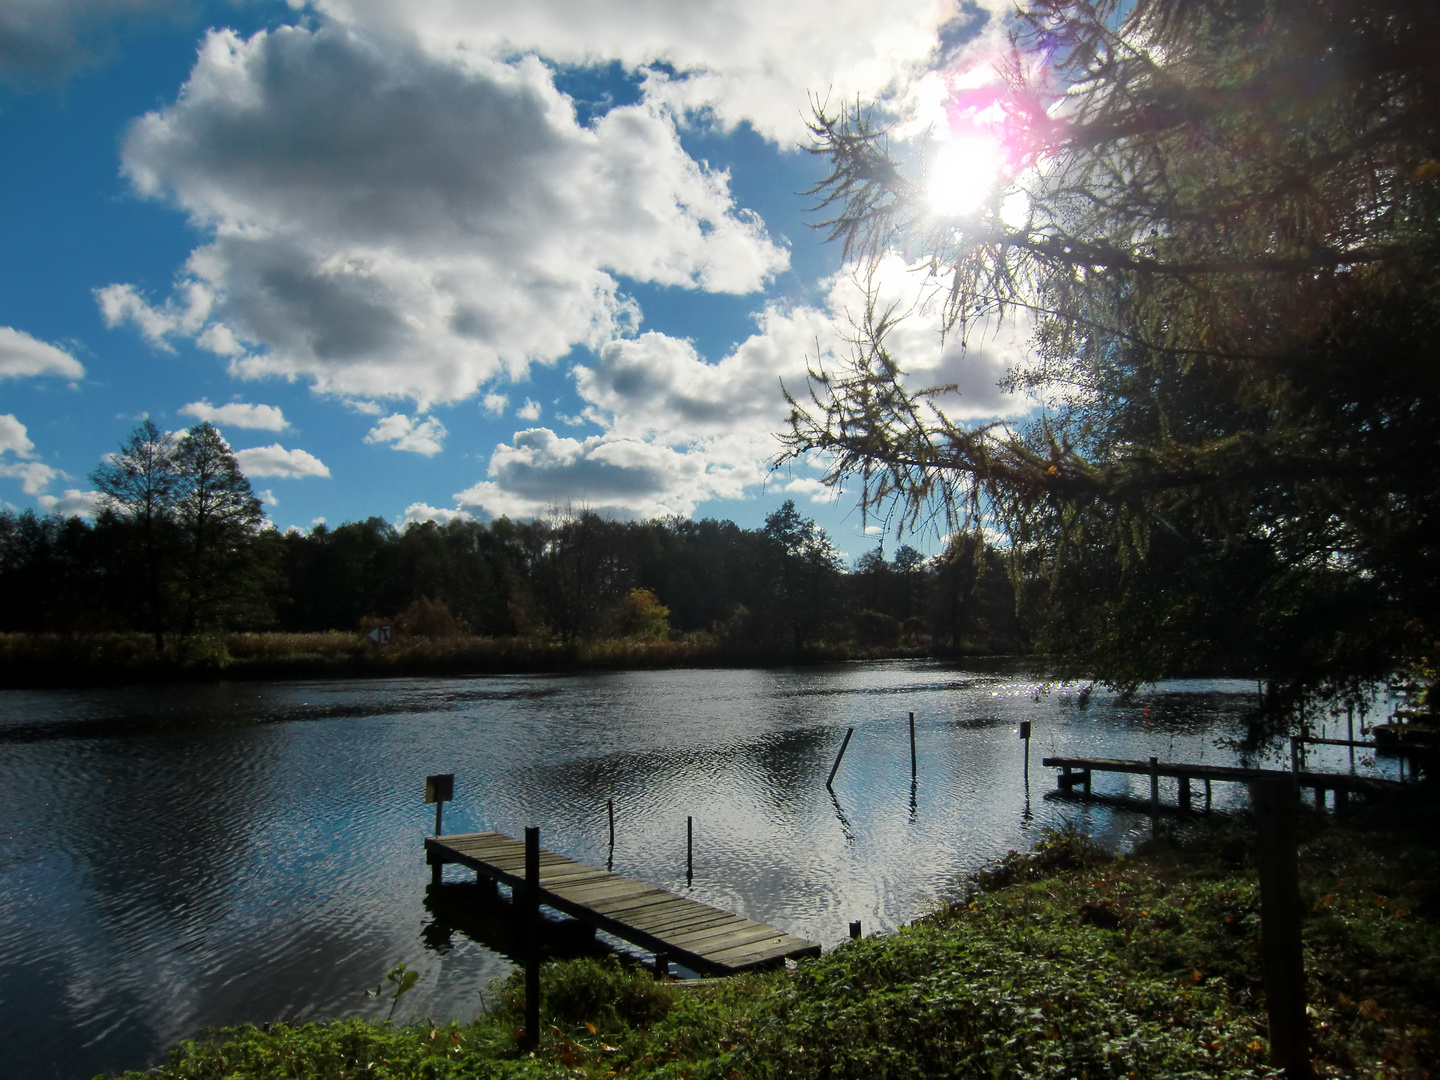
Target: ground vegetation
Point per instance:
(1062, 962)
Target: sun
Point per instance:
(963, 171)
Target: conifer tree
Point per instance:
(1226, 237)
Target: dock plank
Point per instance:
(706, 938)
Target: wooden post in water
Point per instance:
(1025, 734)
(1273, 799)
(855, 930)
(912, 747)
(836, 767)
(689, 848)
(1154, 787)
(610, 812)
(439, 789)
(1350, 734)
(531, 917)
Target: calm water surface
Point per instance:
(177, 858)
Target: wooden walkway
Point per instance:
(702, 938)
(1077, 770)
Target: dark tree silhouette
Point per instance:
(140, 486)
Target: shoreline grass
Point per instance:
(1061, 962)
(68, 660)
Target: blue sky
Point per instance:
(424, 259)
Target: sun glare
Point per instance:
(963, 171)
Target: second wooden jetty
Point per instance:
(703, 938)
(1077, 770)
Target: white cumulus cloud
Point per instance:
(22, 356)
(275, 460)
(14, 436)
(389, 222)
(238, 414)
(34, 476)
(73, 503)
(425, 436)
(739, 60)
(627, 477)
(680, 429)
(417, 512)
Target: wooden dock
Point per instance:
(1076, 772)
(702, 938)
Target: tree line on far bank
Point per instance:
(180, 547)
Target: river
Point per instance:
(181, 857)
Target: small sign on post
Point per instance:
(439, 789)
(380, 635)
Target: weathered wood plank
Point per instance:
(681, 919)
(720, 941)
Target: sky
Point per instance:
(452, 257)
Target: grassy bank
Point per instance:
(1059, 963)
(108, 659)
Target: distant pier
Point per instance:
(1076, 773)
(675, 928)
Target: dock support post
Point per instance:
(689, 848)
(1154, 786)
(1273, 799)
(1207, 794)
(1184, 782)
(855, 930)
(1350, 736)
(532, 935)
(436, 868)
(439, 789)
(836, 767)
(912, 747)
(1085, 781)
(662, 967)
(1025, 734)
(1294, 753)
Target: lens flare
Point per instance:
(963, 172)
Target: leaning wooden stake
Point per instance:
(1274, 799)
(836, 767)
(531, 916)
